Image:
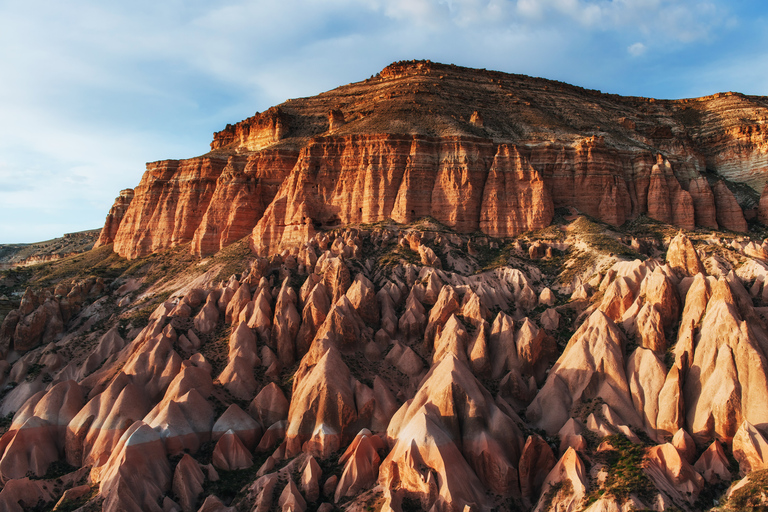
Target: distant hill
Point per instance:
(12, 255)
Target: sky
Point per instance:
(91, 90)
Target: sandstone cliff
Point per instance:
(425, 139)
(115, 217)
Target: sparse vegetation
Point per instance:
(752, 497)
(624, 467)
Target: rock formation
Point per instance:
(499, 167)
(443, 309)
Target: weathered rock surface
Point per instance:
(115, 217)
(292, 170)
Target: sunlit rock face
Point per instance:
(474, 149)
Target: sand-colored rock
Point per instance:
(490, 441)
(672, 474)
(567, 498)
(713, 464)
(447, 304)
(208, 317)
(592, 365)
(285, 326)
(361, 464)
(750, 448)
(291, 499)
(536, 461)
(682, 257)
(310, 480)
(322, 407)
(646, 375)
(685, 445)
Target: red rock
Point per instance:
(536, 461)
(243, 190)
(703, 203)
(290, 499)
(240, 423)
(269, 406)
(762, 211)
(729, 213)
(515, 198)
(114, 218)
(230, 453)
(667, 201)
(188, 482)
(137, 472)
(168, 205)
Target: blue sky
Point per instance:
(90, 90)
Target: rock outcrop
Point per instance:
(115, 217)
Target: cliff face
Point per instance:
(169, 204)
(424, 139)
(115, 217)
(466, 184)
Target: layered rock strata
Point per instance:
(409, 146)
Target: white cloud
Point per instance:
(636, 49)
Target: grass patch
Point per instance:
(624, 465)
(396, 255)
(751, 497)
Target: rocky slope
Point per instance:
(12, 255)
(395, 367)
(422, 138)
